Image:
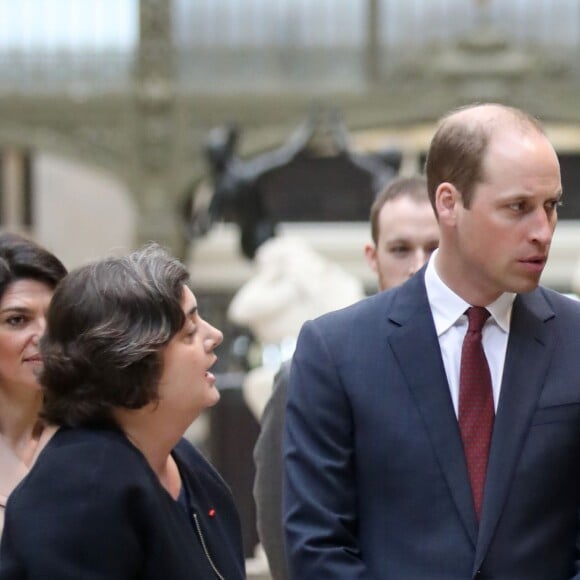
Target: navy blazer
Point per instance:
(376, 484)
(91, 508)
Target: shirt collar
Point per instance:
(447, 307)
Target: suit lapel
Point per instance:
(527, 360)
(414, 339)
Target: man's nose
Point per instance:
(418, 259)
(543, 228)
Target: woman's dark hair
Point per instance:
(107, 324)
(23, 259)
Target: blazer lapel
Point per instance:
(415, 339)
(528, 356)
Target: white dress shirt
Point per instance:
(448, 310)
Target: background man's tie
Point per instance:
(476, 410)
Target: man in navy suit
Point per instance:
(379, 480)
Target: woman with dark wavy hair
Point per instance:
(28, 276)
(117, 493)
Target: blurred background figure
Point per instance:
(381, 165)
(235, 184)
(117, 492)
(292, 284)
(404, 231)
(241, 190)
(28, 276)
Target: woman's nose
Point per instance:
(38, 330)
(215, 337)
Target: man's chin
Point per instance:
(525, 285)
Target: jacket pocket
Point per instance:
(557, 414)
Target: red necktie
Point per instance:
(476, 410)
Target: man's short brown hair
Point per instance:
(414, 187)
(458, 148)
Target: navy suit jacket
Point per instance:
(376, 480)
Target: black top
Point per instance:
(91, 508)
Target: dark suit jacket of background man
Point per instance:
(376, 480)
(269, 470)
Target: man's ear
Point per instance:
(371, 256)
(447, 201)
